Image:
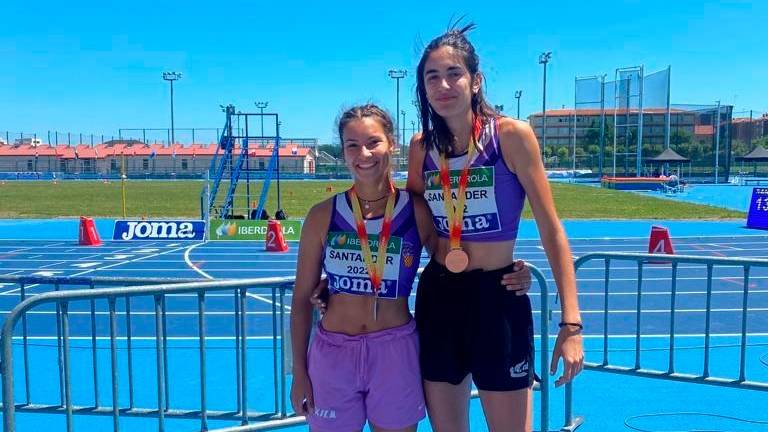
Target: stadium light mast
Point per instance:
(171, 77)
(261, 106)
(518, 95)
(397, 75)
(544, 59)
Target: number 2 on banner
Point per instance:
(270, 239)
(659, 247)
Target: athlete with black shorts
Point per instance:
(475, 169)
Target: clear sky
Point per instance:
(95, 66)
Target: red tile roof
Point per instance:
(102, 151)
(607, 111)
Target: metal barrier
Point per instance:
(157, 290)
(157, 293)
(670, 374)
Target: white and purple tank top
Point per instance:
(494, 196)
(343, 259)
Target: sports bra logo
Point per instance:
(481, 213)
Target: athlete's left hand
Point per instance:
(569, 347)
(519, 280)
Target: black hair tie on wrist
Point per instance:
(572, 324)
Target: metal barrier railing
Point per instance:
(157, 293)
(157, 290)
(674, 261)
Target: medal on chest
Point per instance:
(457, 259)
(375, 270)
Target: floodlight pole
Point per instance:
(171, 77)
(397, 75)
(544, 59)
(717, 142)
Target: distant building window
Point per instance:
(261, 164)
(113, 165)
(30, 165)
(87, 165)
(62, 165)
(184, 164)
(145, 164)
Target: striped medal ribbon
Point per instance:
(375, 270)
(457, 259)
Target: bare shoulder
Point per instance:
(318, 217)
(518, 142)
(416, 146)
(515, 131)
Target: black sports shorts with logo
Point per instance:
(470, 323)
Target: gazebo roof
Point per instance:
(668, 155)
(759, 154)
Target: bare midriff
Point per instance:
(482, 255)
(353, 314)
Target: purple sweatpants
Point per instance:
(373, 376)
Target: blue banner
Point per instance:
(159, 230)
(757, 216)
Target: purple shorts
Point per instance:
(373, 376)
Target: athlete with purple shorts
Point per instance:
(363, 362)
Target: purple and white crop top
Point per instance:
(343, 260)
(494, 196)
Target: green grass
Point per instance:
(182, 199)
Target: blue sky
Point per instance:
(95, 67)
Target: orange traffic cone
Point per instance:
(274, 240)
(88, 234)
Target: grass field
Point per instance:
(182, 199)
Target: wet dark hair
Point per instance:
(435, 131)
(360, 112)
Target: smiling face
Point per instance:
(448, 83)
(367, 150)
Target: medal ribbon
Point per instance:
(375, 270)
(455, 212)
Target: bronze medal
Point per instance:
(456, 260)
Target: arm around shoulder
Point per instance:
(416, 154)
(424, 223)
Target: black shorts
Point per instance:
(469, 323)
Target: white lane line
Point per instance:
(535, 312)
(118, 257)
(654, 311)
(147, 338)
(107, 267)
(191, 265)
(207, 276)
(148, 313)
(86, 264)
(232, 338)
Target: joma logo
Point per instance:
(164, 230)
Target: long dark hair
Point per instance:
(435, 131)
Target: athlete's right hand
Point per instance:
(519, 280)
(319, 297)
(301, 394)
